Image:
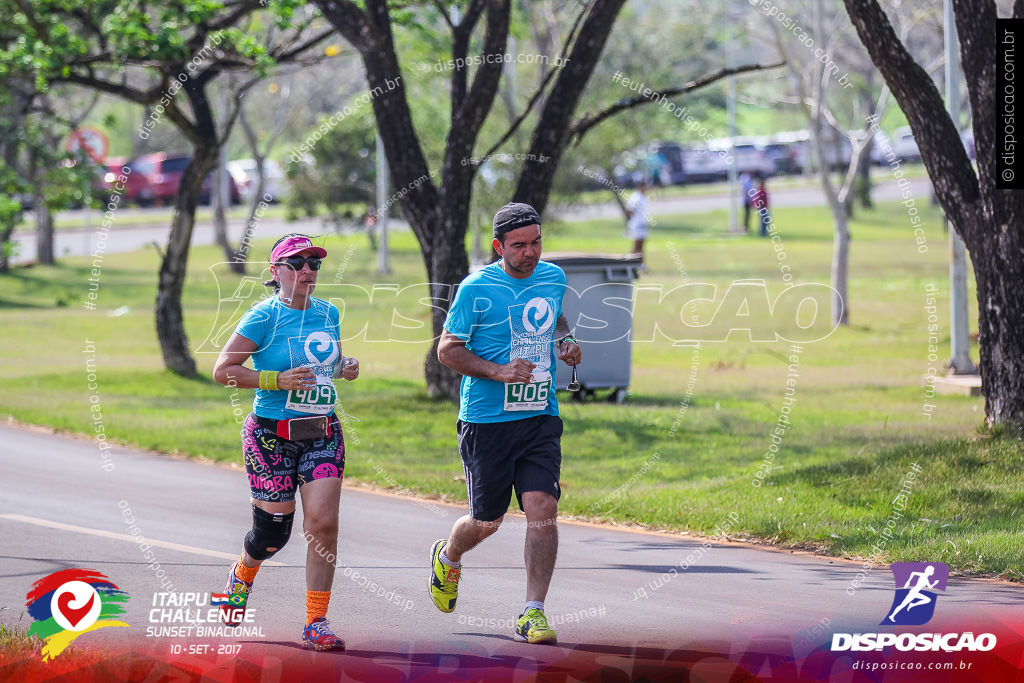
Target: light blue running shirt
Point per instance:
(502, 318)
(287, 338)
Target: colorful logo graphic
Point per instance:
(914, 603)
(71, 602)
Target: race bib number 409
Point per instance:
(317, 400)
(529, 395)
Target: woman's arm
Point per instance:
(230, 369)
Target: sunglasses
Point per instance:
(296, 262)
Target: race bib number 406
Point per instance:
(531, 395)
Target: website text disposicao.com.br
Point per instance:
(959, 665)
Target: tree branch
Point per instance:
(539, 92)
(444, 14)
(580, 128)
(955, 181)
(295, 52)
(460, 47)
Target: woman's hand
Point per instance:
(350, 368)
(297, 378)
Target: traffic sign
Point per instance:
(90, 140)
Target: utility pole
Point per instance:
(960, 363)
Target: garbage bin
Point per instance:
(598, 304)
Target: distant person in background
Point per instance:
(747, 185)
(760, 202)
(638, 221)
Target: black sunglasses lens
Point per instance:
(296, 262)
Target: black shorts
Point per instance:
(278, 467)
(497, 456)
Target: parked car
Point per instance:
(704, 165)
(164, 174)
(904, 145)
(752, 159)
(672, 170)
(243, 172)
(783, 156)
(137, 189)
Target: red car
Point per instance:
(136, 191)
(164, 172)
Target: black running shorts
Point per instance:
(499, 456)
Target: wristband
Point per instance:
(568, 338)
(268, 380)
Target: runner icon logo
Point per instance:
(914, 602)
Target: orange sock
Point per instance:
(245, 573)
(316, 604)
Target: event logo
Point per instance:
(914, 603)
(537, 316)
(320, 349)
(69, 603)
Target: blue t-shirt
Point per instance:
(286, 338)
(502, 318)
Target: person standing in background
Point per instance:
(638, 222)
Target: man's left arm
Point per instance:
(569, 350)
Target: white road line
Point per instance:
(25, 519)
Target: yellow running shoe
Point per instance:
(532, 627)
(444, 580)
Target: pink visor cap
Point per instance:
(293, 245)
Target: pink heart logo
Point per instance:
(74, 616)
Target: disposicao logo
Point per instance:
(914, 605)
(913, 581)
(69, 603)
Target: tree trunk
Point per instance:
(987, 217)
(840, 265)
(242, 254)
(44, 231)
(448, 267)
(999, 272)
(220, 221)
(170, 324)
(6, 245)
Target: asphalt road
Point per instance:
(125, 239)
(613, 601)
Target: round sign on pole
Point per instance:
(89, 140)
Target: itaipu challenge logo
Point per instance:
(914, 602)
(70, 603)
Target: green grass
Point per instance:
(135, 217)
(857, 424)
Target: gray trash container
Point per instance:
(603, 329)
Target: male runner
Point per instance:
(501, 334)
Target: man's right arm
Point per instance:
(452, 352)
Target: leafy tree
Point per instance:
(437, 205)
(168, 57)
(986, 216)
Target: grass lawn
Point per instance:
(683, 453)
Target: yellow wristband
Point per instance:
(268, 380)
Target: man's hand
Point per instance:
(519, 370)
(570, 353)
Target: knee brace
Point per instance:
(268, 531)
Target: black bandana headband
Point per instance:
(514, 216)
